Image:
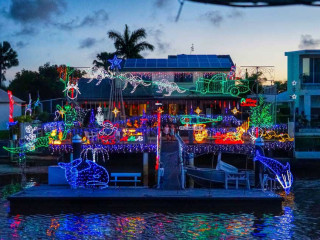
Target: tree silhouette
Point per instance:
(129, 45)
(8, 58)
(102, 60)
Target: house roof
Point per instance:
(304, 52)
(180, 62)
(5, 99)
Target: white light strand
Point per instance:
(169, 87)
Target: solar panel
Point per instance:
(132, 64)
(224, 60)
(172, 65)
(151, 63)
(183, 65)
(182, 61)
(162, 63)
(204, 65)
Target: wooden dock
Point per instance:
(48, 198)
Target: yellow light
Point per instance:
(272, 135)
(200, 133)
(115, 111)
(53, 133)
(234, 111)
(160, 110)
(198, 111)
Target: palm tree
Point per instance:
(102, 60)
(129, 45)
(8, 58)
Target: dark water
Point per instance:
(299, 219)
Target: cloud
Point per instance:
(161, 46)
(308, 42)
(31, 11)
(162, 3)
(26, 31)
(214, 17)
(87, 42)
(97, 17)
(21, 44)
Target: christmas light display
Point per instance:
(232, 72)
(107, 133)
(115, 111)
(272, 135)
(219, 84)
(199, 132)
(135, 81)
(235, 111)
(198, 111)
(99, 74)
(30, 137)
(195, 119)
(282, 173)
(28, 107)
(99, 116)
(248, 102)
(11, 107)
(169, 87)
(159, 112)
(261, 115)
(95, 152)
(115, 63)
(85, 174)
(72, 90)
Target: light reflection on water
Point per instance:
(299, 220)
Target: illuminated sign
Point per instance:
(248, 102)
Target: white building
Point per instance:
(303, 96)
(4, 109)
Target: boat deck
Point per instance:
(46, 196)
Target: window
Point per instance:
(310, 70)
(183, 77)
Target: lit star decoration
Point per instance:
(115, 111)
(294, 96)
(294, 83)
(234, 111)
(198, 110)
(115, 62)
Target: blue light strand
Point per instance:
(85, 173)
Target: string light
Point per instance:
(169, 87)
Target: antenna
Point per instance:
(192, 48)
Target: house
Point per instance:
(4, 109)
(180, 83)
(303, 98)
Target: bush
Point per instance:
(10, 189)
(23, 118)
(44, 117)
(4, 134)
